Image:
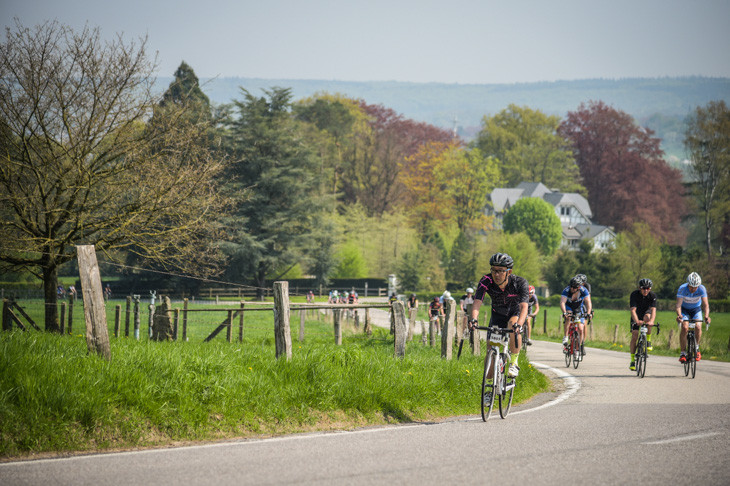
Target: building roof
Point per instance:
(570, 199)
(503, 199)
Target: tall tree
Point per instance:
(272, 188)
(622, 167)
(707, 141)
(78, 165)
(371, 166)
(537, 219)
(638, 253)
(528, 148)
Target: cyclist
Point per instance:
(467, 299)
(509, 294)
(642, 304)
(436, 312)
(575, 302)
(691, 302)
(412, 303)
(532, 303)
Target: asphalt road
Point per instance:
(602, 425)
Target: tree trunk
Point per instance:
(50, 287)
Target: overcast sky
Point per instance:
(449, 41)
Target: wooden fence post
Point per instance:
(176, 324)
(7, 322)
(240, 324)
(97, 334)
(447, 333)
(411, 322)
(544, 322)
(117, 319)
(185, 320)
(63, 317)
(71, 309)
(136, 317)
(368, 324)
(400, 331)
(229, 328)
(337, 325)
(128, 315)
(615, 334)
(669, 339)
(282, 332)
(302, 314)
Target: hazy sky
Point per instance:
(451, 41)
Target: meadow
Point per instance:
(56, 398)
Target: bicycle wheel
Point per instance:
(577, 356)
(641, 358)
(692, 348)
(568, 354)
(688, 363)
(505, 400)
(523, 347)
(488, 390)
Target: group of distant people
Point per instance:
(344, 297)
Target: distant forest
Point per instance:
(657, 103)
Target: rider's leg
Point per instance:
(632, 346)
(683, 337)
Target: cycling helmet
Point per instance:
(581, 278)
(470, 290)
(575, 282)
(501, 260)
(694, 280)
(446, 294)
(531, 289)
(645, 283)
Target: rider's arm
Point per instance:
(706, 309)
(523, 314)
(634, 315)
(589, 305)
(652, 313)
(679, 308)
(537, 307)
(475, 309)
(563, 300)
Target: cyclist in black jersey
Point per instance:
(533, 307)
(509, 294)
(642, 304)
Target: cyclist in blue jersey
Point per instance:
(509, 294)
(575, 302)
(691, 302)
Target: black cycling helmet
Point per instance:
(501, 260)
(645, 283)
(575, 282)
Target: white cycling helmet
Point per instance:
(446, 295)
(470, 290)
(694, 280)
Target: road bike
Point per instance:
(641, 349)
(572, 350)
(691, 363)
(496, 364)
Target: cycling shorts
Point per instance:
(688, 314)
(498, 320)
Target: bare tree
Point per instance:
(81, 165)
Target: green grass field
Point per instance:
(54, 397)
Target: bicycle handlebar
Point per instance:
(496, 330)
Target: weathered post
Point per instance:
(615, 334)
(411, 322)
(447, 333)
(127, 317)
(162, 326)
(136, 317)
(368, 325)
(282, 332)
(240, 324)
(337, 316)
(544, 322)
(7, 322)
(185, 320)
(229, 327)
(475, 338)
(97, 334)
(71, 309)
(669, 338)
(399, 319)
(63, 317)
(117, 319)
(176, 324)
(302, 314)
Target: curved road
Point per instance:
(602, 425)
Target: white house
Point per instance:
(572, 209)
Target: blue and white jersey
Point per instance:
(575, 299)
(691, 300)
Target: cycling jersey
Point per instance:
(505, 303)
(435, 308)
(575, 299)
(643, 304)
(691, 300)
(465, 300)
(531, 303)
